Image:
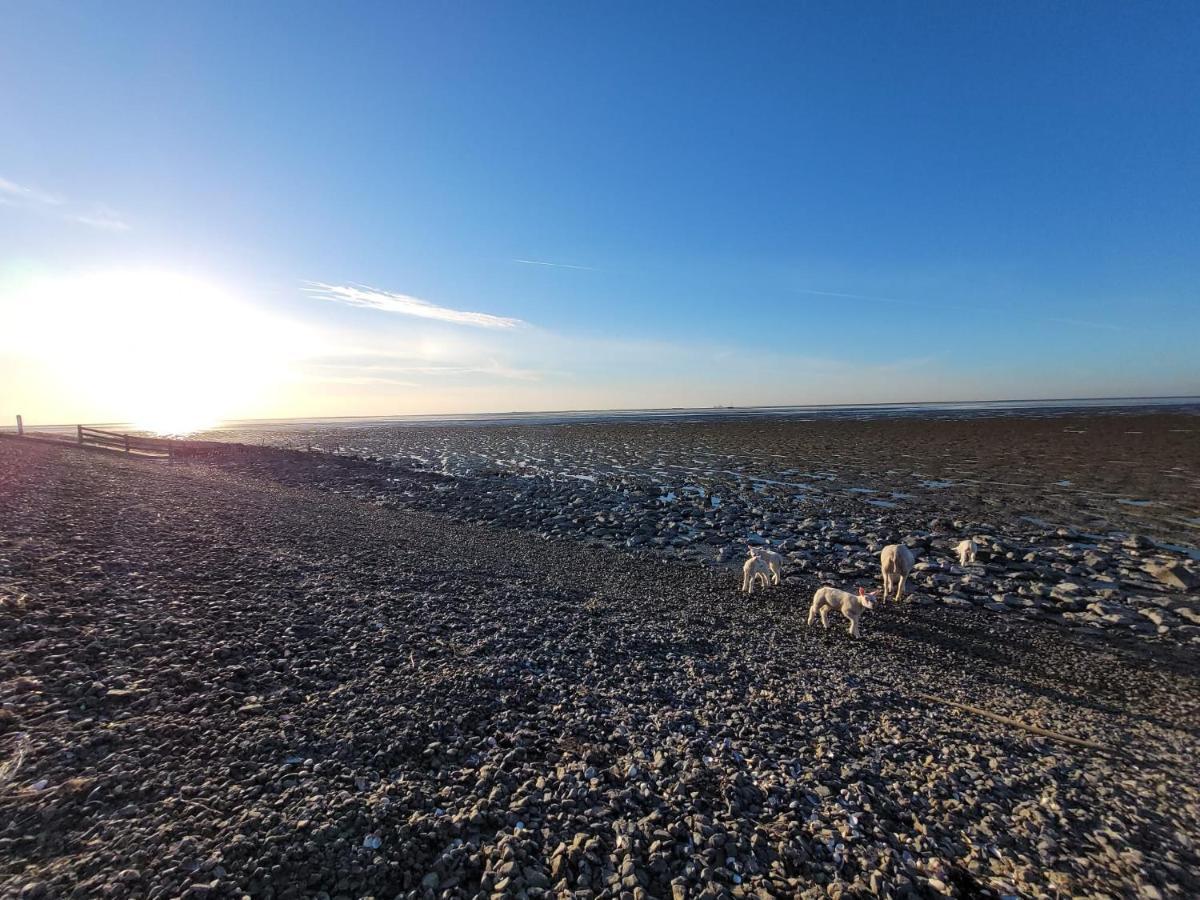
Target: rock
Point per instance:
(1173, 574)
(957, 601)
(1187, 612)
(1159, 616)
(1066, 591)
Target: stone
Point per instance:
(1173, 575)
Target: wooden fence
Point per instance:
(129, 443)
(88, 438)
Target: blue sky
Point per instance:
(678, 204)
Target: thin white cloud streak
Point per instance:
(404, 305)
(25, 197)
(1058, 320)
(869, 299)
(533, 369)
(551, 265)
(392, 373)
(1083, 323)
(102, 218)
(360, 380)
(26, 194)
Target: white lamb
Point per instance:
(772, 559)
(896, 561)
(755, 569)
(966, 551)
(850, 606)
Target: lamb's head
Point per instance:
(867, 600)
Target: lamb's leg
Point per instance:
(824, 617)
(775, 574)
(812, 612)
(745, 583)
(887, 583)
(900, 586)
(853, 626)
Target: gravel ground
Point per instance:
(1082, 521)
(213, 684)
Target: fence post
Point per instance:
(20, 427)
(79, 434)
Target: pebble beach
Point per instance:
(511, 660)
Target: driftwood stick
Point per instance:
(1016, 723)
(10, 767)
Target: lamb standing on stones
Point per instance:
(754, 569)
(966, 551)
(896, 561)
(773, 560)
(827, 598)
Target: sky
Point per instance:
(214, 210)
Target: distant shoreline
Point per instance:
(959, 408)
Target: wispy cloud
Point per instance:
(10, 191)
(379, 369)
(551, 265)
(866, 297)
(39, 201)
(1058, 320)
(404, 305)
(360, 380)
(1083, 323)
(102, 218)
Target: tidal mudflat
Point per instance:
(1084, 520)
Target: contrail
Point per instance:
(538, 262)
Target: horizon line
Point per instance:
(652, 409)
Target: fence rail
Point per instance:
(88, 438)
(129, 443)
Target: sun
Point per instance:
(165, 352)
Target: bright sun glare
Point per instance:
(165, 352)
